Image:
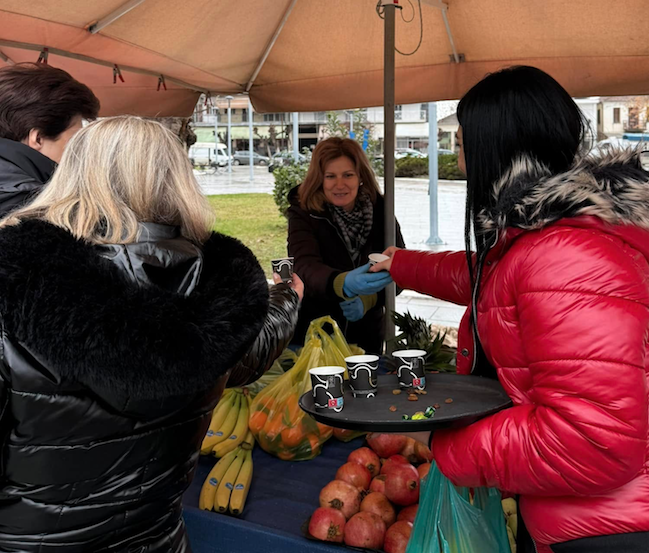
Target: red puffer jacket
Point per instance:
(563, 316)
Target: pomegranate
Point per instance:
(402, 485)
(409, 513)
(365, 529)
(378, 484)
(397, 536)
(327, 524)
(392, 462)
(423, 453)
(342, 496)
(366, 457)
(409, 450)
(378, 504)
(423, 470)
(386, 445)
(355, 474)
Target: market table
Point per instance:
(282, 496)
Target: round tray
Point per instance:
(474, 397)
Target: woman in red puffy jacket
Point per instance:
(558, 296)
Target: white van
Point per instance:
(203, 154)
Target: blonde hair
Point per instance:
(116, 173)
(311, 193)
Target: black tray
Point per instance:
(474, 397)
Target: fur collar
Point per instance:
(612, 187)
(87, 322)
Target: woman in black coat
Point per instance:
(123, 316)
(335, 221)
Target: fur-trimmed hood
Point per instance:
(612, 187)
(86, 321)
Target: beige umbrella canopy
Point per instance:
(304, 55)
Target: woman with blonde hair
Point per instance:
(335, 220)
(123, 318)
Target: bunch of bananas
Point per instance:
(227, 484)
(229, 424)
(229, 439)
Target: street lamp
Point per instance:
(229, 99)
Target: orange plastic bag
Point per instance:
(279, 425)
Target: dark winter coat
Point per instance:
(320, 256)
(23, 172)
(114, 358)
(563, 315)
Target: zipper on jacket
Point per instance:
(474, 307)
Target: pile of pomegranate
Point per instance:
(373, 501)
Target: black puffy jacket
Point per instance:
(23, 172)
(113, 359)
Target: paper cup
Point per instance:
(327, 385)
(377, 258)
(410, 371)
(283, 267)
(362, 374)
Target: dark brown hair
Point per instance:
(38, 96)
(311, 194)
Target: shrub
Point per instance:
(411, 167)
(447, 167)
(287, 177)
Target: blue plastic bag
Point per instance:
(447, 522)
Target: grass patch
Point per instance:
(255, 220)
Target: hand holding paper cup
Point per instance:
(283, 267)
(377, 258)
(327, 385)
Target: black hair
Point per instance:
(517, 111)
(39, 96)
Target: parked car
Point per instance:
(285, 158)
(204, 154)
(242, 157)
(405, 152)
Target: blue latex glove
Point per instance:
(361, 283)
(353, 309)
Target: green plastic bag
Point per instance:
(447, 522)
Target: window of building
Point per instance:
(616, 115)
(398, 113)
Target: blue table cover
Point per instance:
(283, 495)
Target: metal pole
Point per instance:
(250, 141)
(229, 99)
(296, 136)
(388, 157)
(216, 131)
(433, 174)
(351, 124)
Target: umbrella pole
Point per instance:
(388, 156)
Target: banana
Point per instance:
(239, 433)
(208, 491)
(223, 492)
(225, 429)
(218, 417)
(509, 506)
(242, 485)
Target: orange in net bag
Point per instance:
(280, 427)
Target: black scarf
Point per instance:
(355, 225)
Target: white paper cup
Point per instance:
(377, 258)
(327, 383)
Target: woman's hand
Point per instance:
(296, 284)
(387, 264)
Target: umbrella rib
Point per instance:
(81, 57)
(4, 57)
(270, 45)
(114, 15)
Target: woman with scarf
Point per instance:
(558, 291)
(335, 220)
